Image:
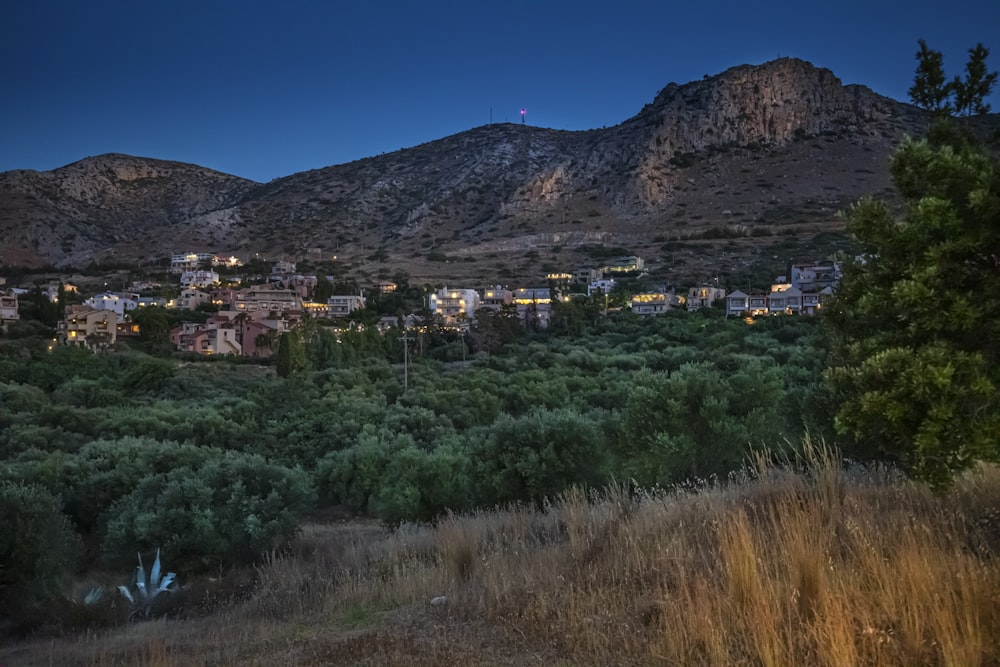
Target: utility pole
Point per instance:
(406, 359)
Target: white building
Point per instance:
(603, 286)
(816, 277)
(704, 297)
(190, 299)
(283, 268)
(189, 261)
(199, 278)
(655, 303)
(342, 306)
(118, 302)
(8, 307)
(454, 305)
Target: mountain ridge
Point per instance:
(735, 151)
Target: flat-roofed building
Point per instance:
(496, 298)
(655, 303)
(534, 306)
(92, 328)
(454, 305)
(344, 305)
(8, 307)
(704, 297)
(266, 299)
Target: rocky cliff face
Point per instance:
(750, 150)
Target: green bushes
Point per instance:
(217, 462)
(231, 510)
(539, 455)
(700, 421)
(37, 547)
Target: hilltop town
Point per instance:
(244, 314)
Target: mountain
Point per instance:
(745, 167)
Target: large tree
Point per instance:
(971, 93)
(916, 326)
(931, 89)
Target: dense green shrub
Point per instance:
(419, 485)
(538, 455)
(701, 420)
(351, 476)
(37, 547)
(230, 510)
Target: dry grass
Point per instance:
(818, 566)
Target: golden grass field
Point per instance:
(788, 565)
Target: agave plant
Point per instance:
(147, 588)
(93, 596)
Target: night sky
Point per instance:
(266, 89)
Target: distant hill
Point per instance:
(748, 166)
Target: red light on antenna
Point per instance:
(522, 112)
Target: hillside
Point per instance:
(745, 167)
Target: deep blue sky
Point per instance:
(265, 89)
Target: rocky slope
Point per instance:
(86, 209)
(745, 160)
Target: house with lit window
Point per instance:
(559, 279)
(813, 302)
(704, 297)
(189, 261)
(229, 262)
(220, 334)
(628, 264)
(190, 299)
(52, 289)
(454, 306)
(495, 298)
(266, 299)
(737, 303)
(655, 303)
(87, 327)
(534, 306)
(784, 299)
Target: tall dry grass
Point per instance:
(793, 565)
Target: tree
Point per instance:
(539, 455)
(970, 94)
(232, 509)
(930, 89)
(291, 355)
(154, 328)
(916, 336)
(37, 547)
(700, 421)
(323, 290)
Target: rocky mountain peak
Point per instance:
(749, 150)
